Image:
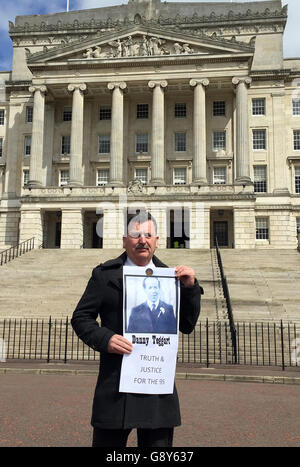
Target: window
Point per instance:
(142, 175)
(259, 106)
(1, 116)
(105, 113)
(67, 114)
(65, 144)
(29, 114)
(262, 228)
(259, 139)
(219, 175)
(141, 143)
(104, 144)
(296, 106)
(27, 145)
(219, 108)
(25, 177)
(1, 147)
(180, 110)
(298, 225)
(296, 140)
(219, 140)
(102, 177)
(64, 177)
(260, 179)
(179, 175)
(180, 141)
(142, 111)
(297, 178)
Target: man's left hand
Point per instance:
(186, 275)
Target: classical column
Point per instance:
(278, 158)
(199, 131)
(242, 130)
(117, 133)
(76, 169)
(158, 132)
(37, 138)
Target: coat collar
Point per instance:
(115, 267)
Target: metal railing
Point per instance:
(257, 343)
(15, 251)
(228, 301)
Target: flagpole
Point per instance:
(68, 5)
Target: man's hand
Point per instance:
(186, 275)
(118, 344)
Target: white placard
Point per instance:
(150, 323)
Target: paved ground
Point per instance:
(54, 409)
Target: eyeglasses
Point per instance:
(139, 233)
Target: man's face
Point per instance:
(152, 289)
(141, 242)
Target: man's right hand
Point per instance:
(118, 344)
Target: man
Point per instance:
(154, 315)
(114, 414)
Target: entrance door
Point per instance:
(179, 228)
(57, 234)
(221, 232)
(97, 241)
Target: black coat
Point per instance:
(104, 297)
(142, 319)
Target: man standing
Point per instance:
(154, 315)
(114, 414)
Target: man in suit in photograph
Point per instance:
(153, 315)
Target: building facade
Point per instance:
(186, 109)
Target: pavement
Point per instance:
(50, 405)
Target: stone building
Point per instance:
(187, 109)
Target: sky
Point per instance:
(10, 9)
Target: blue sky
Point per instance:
(10, 9)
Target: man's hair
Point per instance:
(150, 277)
(140, 218)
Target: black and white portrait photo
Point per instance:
(151, 304)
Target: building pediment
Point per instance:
(138, 41)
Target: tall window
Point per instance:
(25, 177)
(260, 179)
(259, 106)
(66, 144)
(27, 145)
(219, 108)
(297, 178)
(296, 106)
(1, 116)
(262, 228)
(180, 141)
(67, 114)
(29, 114)
(179, 176)
(105, 112)
(259, 139)
(296, 140)
(219, 175)
(64, 177)
(142, 111)
(104, 144)
(142, 175)
(180, 110)
(102, 177)
(298, 225)
(141, 142)
(1, 147)
(219, 140)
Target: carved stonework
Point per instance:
(140, 46)
(135, 187)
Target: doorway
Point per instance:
(178, 228)
(221, 226)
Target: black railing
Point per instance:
(228, 301)
(257, 343)
(15, 251)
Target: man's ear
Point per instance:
(156, 244)
(124, 242)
